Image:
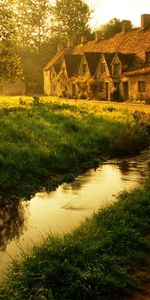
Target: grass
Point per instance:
(47, 142)
(98, 260)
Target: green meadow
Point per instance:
(47, 141)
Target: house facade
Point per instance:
(115, 68)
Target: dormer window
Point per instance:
(116, 70)
(147, 58)
(102, 67)
(84, 68)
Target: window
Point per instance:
(116, 69)
(148, 57)
(101, 87)
(84, 68)
(141, 86)
(102, 67)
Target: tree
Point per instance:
(10, 63)
(6, 21)
(112, 27)
(33, 38)
(70, 18)
(32, 21)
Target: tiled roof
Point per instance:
(72, 64)
(130, 47)
(134, 41)
(92, 60)
(141, 71)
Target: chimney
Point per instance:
(60, 47)
(145, 21)
(126, 26)
(98, 35)
(70, 41)
(83, 39)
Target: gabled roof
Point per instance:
(134, 41)
(92, 60)
(72, 64)
(109, 57)
(53, 60)
(126, 58)
(56, 58)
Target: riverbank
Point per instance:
(46, 141)
(107, 257)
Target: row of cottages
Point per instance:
(119, 66)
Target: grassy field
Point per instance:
(47, 141)
(106, 258)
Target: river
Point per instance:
(24, 223)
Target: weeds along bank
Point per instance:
(106, 258)
(47, 141)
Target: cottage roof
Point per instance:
(56, 58)
(53, 60)
(92, 60)
(142, 71)
(72, 64)
(134, 41)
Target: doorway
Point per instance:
(125, 90)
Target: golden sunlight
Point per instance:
(105, 10)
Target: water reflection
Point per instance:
(11, 223)
(78, 183)
(62, 210)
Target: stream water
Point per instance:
(26, 222)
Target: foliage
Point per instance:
(6, 21)
(70, 17)
(44, 140)
(111, 28)
(86, 86)
(32, 21)
(10, 63)
(106, 257)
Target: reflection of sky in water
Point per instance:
(63, 209)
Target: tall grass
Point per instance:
(46, 142)
(103, 259)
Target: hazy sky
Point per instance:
(121, 9)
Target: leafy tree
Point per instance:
(6, 21)
(10, 63)
(112, 27)
(70, 17)
(32, 21)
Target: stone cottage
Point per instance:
(120, 64)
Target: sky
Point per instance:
(105, 10)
